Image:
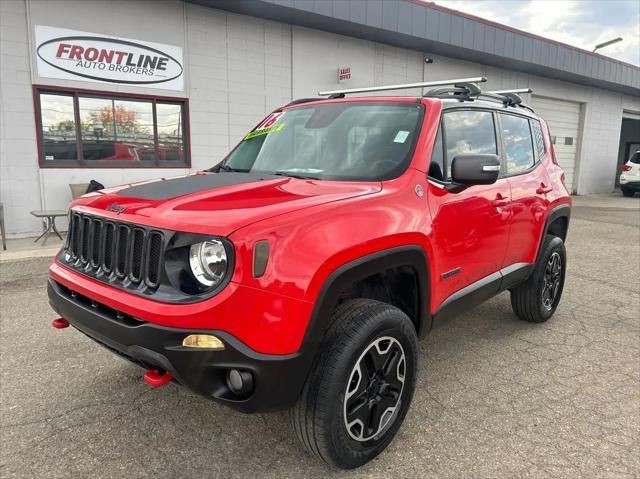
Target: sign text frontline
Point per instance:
(114, 60)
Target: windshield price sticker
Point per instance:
(267, 126)
(264, 131)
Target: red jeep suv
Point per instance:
(301, 270)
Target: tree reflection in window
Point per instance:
(115, 129)
(468, 132)
(58, 127)
(81, 128)
(518, 144)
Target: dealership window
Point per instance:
(86, 129)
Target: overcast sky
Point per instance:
(581, 23)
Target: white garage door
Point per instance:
(563, 118)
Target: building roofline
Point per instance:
(486, 21)
(433, 29)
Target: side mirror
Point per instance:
(475, 169)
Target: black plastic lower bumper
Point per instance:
(278, 380)
(631, 186)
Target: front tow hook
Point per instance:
(60, 323)
(157, 377)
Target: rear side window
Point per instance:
(538, 139)
(518, 144)
(468, 132)
(635, 158)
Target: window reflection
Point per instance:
(518, 143)
(115, 129)
(469, 132)
(92, 130)
(58, 127)
(170, 132)
(437, 169)
(538, 138)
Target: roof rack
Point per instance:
(301, 100)
(470, 92)
(463, 89)
(342, 93)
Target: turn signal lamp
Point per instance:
(207, 341)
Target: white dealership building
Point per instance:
(121, 91)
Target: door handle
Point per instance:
(500, 201)
(543, 189)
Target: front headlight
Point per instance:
(209, 263)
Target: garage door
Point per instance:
(563, 118)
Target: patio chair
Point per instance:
(78, 189)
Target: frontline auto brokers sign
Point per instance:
(74, 55)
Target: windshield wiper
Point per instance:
(295, 175)
(227, 168)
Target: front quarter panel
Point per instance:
(307, 246)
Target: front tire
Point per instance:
(360, 386)
(537, 298)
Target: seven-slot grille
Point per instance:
(115, 249)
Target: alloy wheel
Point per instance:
(552, 277)
(374, 389)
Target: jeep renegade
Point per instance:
(300, 271)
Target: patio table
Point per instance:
(49, 218)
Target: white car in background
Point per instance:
(630, 176)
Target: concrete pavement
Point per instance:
(496, 397)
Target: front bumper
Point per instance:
(278, 379)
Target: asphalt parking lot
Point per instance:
(496, 397)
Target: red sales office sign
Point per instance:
(74, 55)
(344, 74)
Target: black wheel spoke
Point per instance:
(358, 409)
(357, 384)
(375, 414)
(374, 361)
(391, 361)
(389, 399)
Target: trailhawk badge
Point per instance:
(116, 208)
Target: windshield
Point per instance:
(360, 141)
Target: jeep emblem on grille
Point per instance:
(116, 208)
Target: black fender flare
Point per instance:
(560, 211)
(360, 268)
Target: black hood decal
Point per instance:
(172, 188)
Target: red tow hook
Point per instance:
(60, 323)
(157, 377)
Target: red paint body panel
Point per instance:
(264, 321)
(469, 233)
(315, 227)
(223, 210)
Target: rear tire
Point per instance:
(368, 359)
(626, 192)
(537, 298)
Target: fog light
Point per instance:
(240, 382)
(203, 341)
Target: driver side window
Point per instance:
(462, 132)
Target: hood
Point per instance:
(216, 203)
